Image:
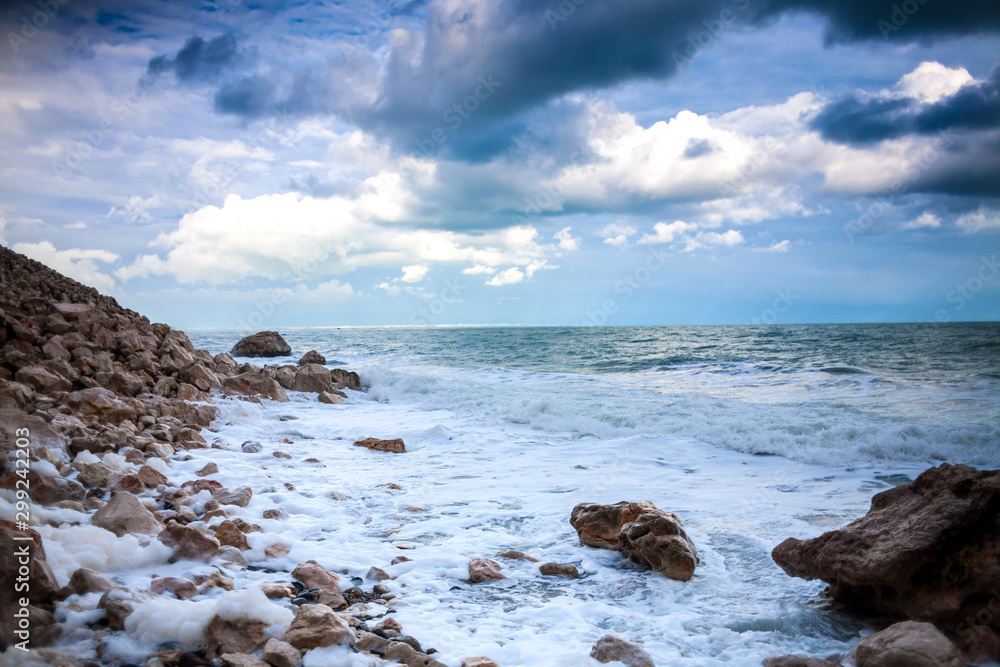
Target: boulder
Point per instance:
(559, 570)
(610, 649)
(263, 344)
(124, 514)
(229, 535)
(201, 377)
(909, 643)
(330, 398)
(281, 654)
(189, 543)
(797, 661)
(479, 661)
(101, 403)
(313, 378)
(255, 383)
(316, 626)
(394, 446)
(396, 650)
(346, 379)
(225, 636)
(926, 551)
(178, 586)
(656, 540)
(484, 569)
(313, 576)
(599, 525)
(42, 379)
(85, 580)
(242, 660)
(240, 497)
(312, 357)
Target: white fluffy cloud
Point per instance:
(76, 263)
(566, 240)
(925, 219)
(931, 81)
(617, 234)
(981, 220)
(414, 274)
(666, 232)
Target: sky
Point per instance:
(260, 164)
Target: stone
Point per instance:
(281, 654)
(151, 477)
(275, 591)
(189, 543)
(101, 403)
(125, 514)
(909, 644)
(252, 447)
(313, 378)
(225, 636)
(201, 377)
(927, 551)
(394, 446)
(396, 650)
(312, 575)
(312, 357)
(240, 497)
(242, 660)
(657, 540)
(316, 626)
(797, 661)
(511, 554)
(85, 580)
(281, 455)
(229, 535)
(347, 379)
(130, 484)
(95, 475)
(479, 661)
(181, 588)
(484, 569)
(255, 383)
(559, 570)
(42, 379)
(329, 398)
(610, 649)
(262, 344)
(599, 525)
(275, 514)
(208, 469)
(21, 394)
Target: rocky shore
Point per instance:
(102, 414)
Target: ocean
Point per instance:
(750, 434)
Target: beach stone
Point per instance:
(229, 535)
(95, 475)
(395, 650)
(928, 551)
(101, 403)
(313, 378)
(797, 661)
(511, 554)
(208, 469)
(281, 654)
(599, 525)
(224, 636)
(346, 379)
(908, 643)
(312, 357)
(43, 380)
(394, 446)
(479, 662)
(242, 660)
(255, 383)
(559, 570)
(182, 588)
(657, 540)
(276, 514)
(85, 580)
(316, 626)
(484, 569)
(151, 477)
(330, 398)
(124, 514)
(240, 497)
(262, 344)
(251, 447)
(189, 543)
(312, 575)
(610, 649)
(276, 591)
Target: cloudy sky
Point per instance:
(262, 164)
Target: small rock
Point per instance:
(316, 626)
(189, 542)
(798, 661)
(281, 455)
(314, 576)
(181, 588)
(394, 446)
(483, 569)
(251, 447)
(124, 514)
(610, 649)
(277, 550)
(479, 662)
(224, 636)
(151, 477)
(312, 357)
(276, 514)
(559, 570)
(329, 398)
(908, 643)
(516, 555)
(85, 580)
(242, 660)
(229, 534)
(240, 497)
(209, 469)
(281, 654)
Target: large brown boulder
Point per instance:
(125, 514)
(263, 344)
(909, 643)
(926, 551)
(314, 378)
(17, 543)
(42, 379)
(394, 446)
(316, 626)
(255, 383)
(599, 525)
(346, 379)
(656, 540)
(312, 357)
(326, 583)
(614, 649)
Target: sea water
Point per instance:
(749, 434)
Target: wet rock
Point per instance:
(130, 484)
(394, 446)
(599, 525)
(255, 383)
(275, 591)
(313, 378)
(181, 588)
(479, 662)
(240, 497)
(397, 651)
(314, 576)
(909, 643)
(329, 398)
(229, 535)
(263, 344)
(95, 475)
(275, 514)
(41, 582)
(189, 543)
(252, 447)
(484, 569)
(511, 554)
(201, 377)
(316, 626)
(124, 514)
(928, 550)
(85, 580)
(377, 574)
(208, 469)
(151, 477)
(42, 380)
(242, 660)
(277, 551)
(101, 403)
(281, 654)
(559, 570)
(225, 636)
(610, 649)
(346, 379)
(312, 357)
(657, 540)
(798, 661)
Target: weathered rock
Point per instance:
(281, 654)
(181, 588)
(316, 626)
(610, 648)
(151, 477)
(928, 551)
(85, 580)
(312, 357)
(285, 376)
(255, 383)
(20, 394)
(599, 525)
(42, 379)
(511, 554)
(95, 475)
(226, 636)
(330, 398)
(479, 661)
(907, 644)
(252, 447)
(656, 540)
(124, 514)
(559, 570)
(394, 446)
(484, 569)
(208, 469)
(313, 575)
(229, 535)
(263, 344)
(240, 497)
(396, 650)
(797, 661)
(314, 378)
(242, 660)
(189, 542)
(201, 377)
(346, 379)
(102, 403)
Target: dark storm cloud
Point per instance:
(201, 60)
(853, 120)
(903, 20)
(969, 167)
